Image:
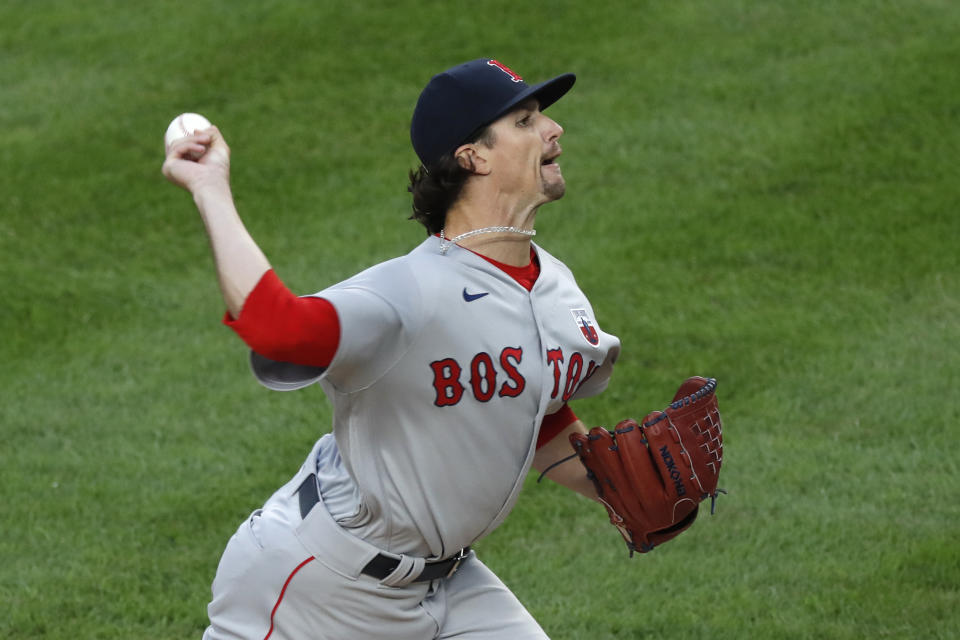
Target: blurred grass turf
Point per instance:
(763, 192)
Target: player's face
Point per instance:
(523, 157)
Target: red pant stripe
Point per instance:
(283, 591)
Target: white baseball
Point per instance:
(185, 124)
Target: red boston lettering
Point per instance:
(573, 375)
(510, 358)
(446, 380)
(483, 377)
(555, 358)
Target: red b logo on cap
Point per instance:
(507, 70)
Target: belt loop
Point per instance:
(406, 572)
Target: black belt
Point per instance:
(382, 565)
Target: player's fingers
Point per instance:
(207, 147)
(216, 139)
(188, 150)
(192, 146)
(197, 159)
(181, 166)
(174, 170)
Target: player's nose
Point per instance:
(552, 130)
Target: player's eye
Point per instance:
(525, 121)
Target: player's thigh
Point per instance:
(269, 584)
(478, 606)
(249, 579)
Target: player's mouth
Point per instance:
(551, 161)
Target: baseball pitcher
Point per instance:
(450, 371)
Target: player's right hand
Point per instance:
(199, 161)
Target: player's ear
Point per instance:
(469, 157)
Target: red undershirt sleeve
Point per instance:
(282, 326)
(554, 423)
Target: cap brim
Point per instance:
(552, 90)
(546, 94)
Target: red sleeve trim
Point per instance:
(554, 424)
(281, 326)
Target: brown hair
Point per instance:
(436, 188)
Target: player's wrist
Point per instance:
(209, 192)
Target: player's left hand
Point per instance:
(651, 477)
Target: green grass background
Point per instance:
(763, 192)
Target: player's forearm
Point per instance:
(238, 260)
(571, 473)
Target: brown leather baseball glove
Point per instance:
(652, 476)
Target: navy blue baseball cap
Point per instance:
(465, 98)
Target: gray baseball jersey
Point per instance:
(445, 369)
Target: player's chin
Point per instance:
(552, 183)
(554, 189)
